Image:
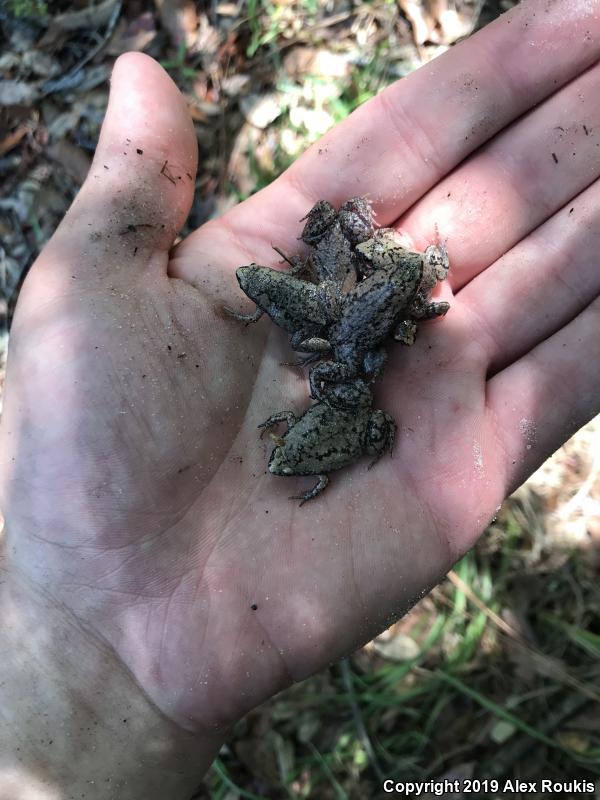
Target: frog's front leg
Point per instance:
(406, 332)
(421, 309)
(327, 372)
(317, 489)
(247, 318)
(281, 416)
(302, 362)
(436, 264)
(311, 344)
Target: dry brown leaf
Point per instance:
(137, 34)
(421, 21)
(92, 18)
(261, 110)
(227, 10)
(302, 61)
(234, 85)
(238, 169)
(40, 64)
(398, 648)
(206, 43)
(75, 161)
(438, 21)
(180, 19)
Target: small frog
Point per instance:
(388, 300)
(435, 268)
(299, 307)
(330, 434)
(334, 235)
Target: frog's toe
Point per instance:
(275, 419)
(316, 489)
(247, 318)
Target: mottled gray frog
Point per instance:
(435, 268)
(387, 300)
(329, 435)
(299, 307)
(334, 235)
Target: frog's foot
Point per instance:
(302, 362)
(406, 332)
(317, 489)
(275, 419)
(327, 372)
(312, 344)
(429, 310)
(247, 318)
(381, 433)
(373, 363)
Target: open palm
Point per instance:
(134, 481)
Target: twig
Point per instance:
(73, 78)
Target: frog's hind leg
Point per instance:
(275, 419)
(381, 433)
(305, 343)
(247, 318)
(312, 345)
(327, 372)
(317, 489)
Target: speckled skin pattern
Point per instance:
(299, 307)
(334, 236)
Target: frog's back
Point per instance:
(375, 305)
(332, 258)
(285, 298)
(325, 439)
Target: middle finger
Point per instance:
(515, 182)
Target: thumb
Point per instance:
(141, 183)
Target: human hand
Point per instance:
(133, 480)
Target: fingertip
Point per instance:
(145, 101)
(141, 184)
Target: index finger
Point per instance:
(401, 143)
